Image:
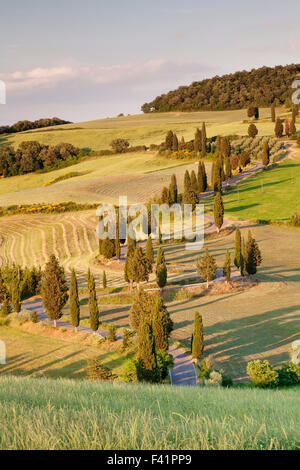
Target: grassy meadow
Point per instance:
(63, 414)
(146, 129)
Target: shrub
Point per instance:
(112, 333)
(289, 374)
(164, 362)
(129, 371)
(96, 339)
(126, 339)
(215, 379)
(34, 317)
(295, 220)
(96, 371)
(22, 317)
(262, 374)
(226, 381)
(119, 145)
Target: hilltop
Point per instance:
(261, 87)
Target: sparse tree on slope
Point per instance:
(198, 342)
(74, 301)
(93, 306)
(218, 211)
(238, 248)
(227, 267)
(54, 289)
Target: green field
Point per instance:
(144, 129)
(44, 414)
(270, 195)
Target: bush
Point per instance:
(119, 145)
(34, 317)
(164, 362)
(226, 381)
(96, 339)
(215, 379)
(111, 333)
(262, 374)
(295, 220)
(96, 371)
(289, 374)
(129, 371)
(23, 316)
(126, 339)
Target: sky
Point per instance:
(82, 60)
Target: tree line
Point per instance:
(26, 125)
(261, 86)
(32, 156)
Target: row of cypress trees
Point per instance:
(247, 255)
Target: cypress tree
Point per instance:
(181, 145)
(206, 267)
(273, 112)
(187, 182)
(238, 248)
(194, 182)
(141, 309)
(228, 169)
(198, 342)
(200, 178)
(16, 297)
(204, 176)
(140, 266)
(128, 269)
(146, 354)
(93, 305)
(169, 140)
(74, 301)
(162, 324)
(225, 147)
(266, 154)
(252, 130)
(293, 129)
(6, 307)
(175, 143)
(165, 196)
(227, 267)
(161, 275)
(54, 289)
(160, 257)
(218, 145)
(278, 128)
(149, 251)
(287, 127)
(218, 211)
(159, 241)
(117, 246)
(104, 280)
(203, 140)
(197, 141)
(173, 191)
(243, 259)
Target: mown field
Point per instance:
(144, 129)
(62, 414)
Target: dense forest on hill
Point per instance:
(22, 126)
(234, 91)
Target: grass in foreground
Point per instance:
(45, 414)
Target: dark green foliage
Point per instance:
(200, 178)
(198, 341)
(252, 130)
(173, 191)
(278, 128)
(206, 267)
(96, 371)
(128, 269)
(74, 301)
(175, 143)
(161, 275)
(198, 141)
(293, 129)
(93, 305)
(243, 259)
(160, 257)
(165, 198)
(289, 374)
(169, 141)
(6, 307)
(164, 362)
(187, 182)
(203, 140)
(126, 339)
(238, 248)
(266, 154)
(140, 309)
(54, 289)
(140, 266)
(190, 197)
(119, 145)
(149, 252)
(227, 267)
(112, 336)
(162, 325)
(253, 256)
(194, 182)
(228, 169)
(107, 248)
(3, 290)
(218, 211)
(104, 280)
(233, 91)
(34, 317)
(146, 354)
(16, 296)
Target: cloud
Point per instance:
(131, 73)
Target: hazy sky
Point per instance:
(86, 59)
